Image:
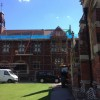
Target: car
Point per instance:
(47, 77)
(6, 75)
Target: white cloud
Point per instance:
(24, 0)
(68, 17)
(57, 17)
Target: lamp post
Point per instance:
(89, 45)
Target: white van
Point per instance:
(6, 75)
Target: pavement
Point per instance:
(59, 93)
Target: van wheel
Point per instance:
(9, 81)
(41, 80)
(56, 80)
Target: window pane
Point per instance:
(37, 47)
(21, 48)
(6, 48)
(6, 73)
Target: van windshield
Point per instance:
(11, 72)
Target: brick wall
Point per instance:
(97, 69)
(85, 70)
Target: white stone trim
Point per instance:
(77, 64)
(85, 57)
(94, 82)
(85, 81)
(85, 3)
(82, 25)
(98, 3)
(97, 23)
(98, 86)
(96, 48)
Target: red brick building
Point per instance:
(30, 51)
(90, 33)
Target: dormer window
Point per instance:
(58, 32)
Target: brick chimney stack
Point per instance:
(2, 23)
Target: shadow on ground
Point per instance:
(43, 98)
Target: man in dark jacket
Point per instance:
(64, 75)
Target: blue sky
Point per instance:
(42, 14)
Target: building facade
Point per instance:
(28, 51)
(89, 37)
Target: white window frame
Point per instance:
(37, 47)
(64, 48)
(6, 48)
(21, 48)
(59, 61)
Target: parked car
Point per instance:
(6, 75)
(47, 77)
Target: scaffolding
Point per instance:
(29, 40)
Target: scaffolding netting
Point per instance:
(27, 37)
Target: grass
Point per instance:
(25, 91)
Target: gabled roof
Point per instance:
(58, 32)
(58, 29)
